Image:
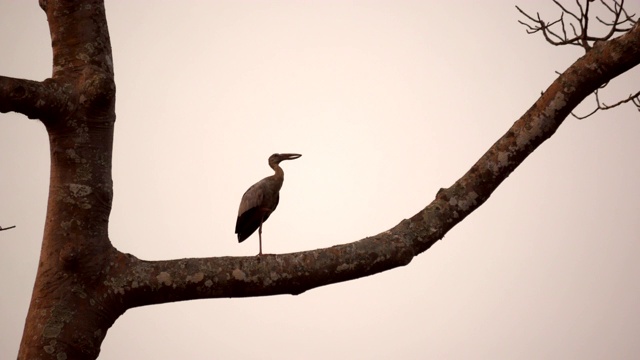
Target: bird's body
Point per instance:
(261, 199)
(258, 202)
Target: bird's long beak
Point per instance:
(290, 156)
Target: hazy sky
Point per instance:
(388, 101)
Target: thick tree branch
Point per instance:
(135, 282)
(35, 99)
(151, 282)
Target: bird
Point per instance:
(260, 200)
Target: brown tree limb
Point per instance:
(135, 282)
(35, 99)
(7, 228)
(82, 65)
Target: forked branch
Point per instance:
(555, 32)
(155, 282)
(633, 98)
(581, 34)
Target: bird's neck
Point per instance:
(279, 173)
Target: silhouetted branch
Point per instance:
(622, 22)
(616, 24)
(35, 99)
(154, 282)
(7, 228)
(579, 23)
(634, 98)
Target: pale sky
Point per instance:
(387, 101)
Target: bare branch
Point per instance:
(154, 282)
(573, 28)
(622, 22)
(35, 99)
(579, 24)
(565, 10)
(584, 24)
(634, 98)
(7, 228)
(584, 116)
(604, 3)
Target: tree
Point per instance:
(84, 284)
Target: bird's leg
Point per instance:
(260, 237)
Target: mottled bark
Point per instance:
(83, 284)
(68, 315)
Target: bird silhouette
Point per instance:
(260, 200)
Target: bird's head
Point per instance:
(276, 158)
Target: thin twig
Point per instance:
(579, 24)
(7, 228)
(634, 98)
(555, 33)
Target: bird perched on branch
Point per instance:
(261, 200)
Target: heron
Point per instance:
(260, 200)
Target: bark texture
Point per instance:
(83, 284)
(68, 315)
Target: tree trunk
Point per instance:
(69, 312)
